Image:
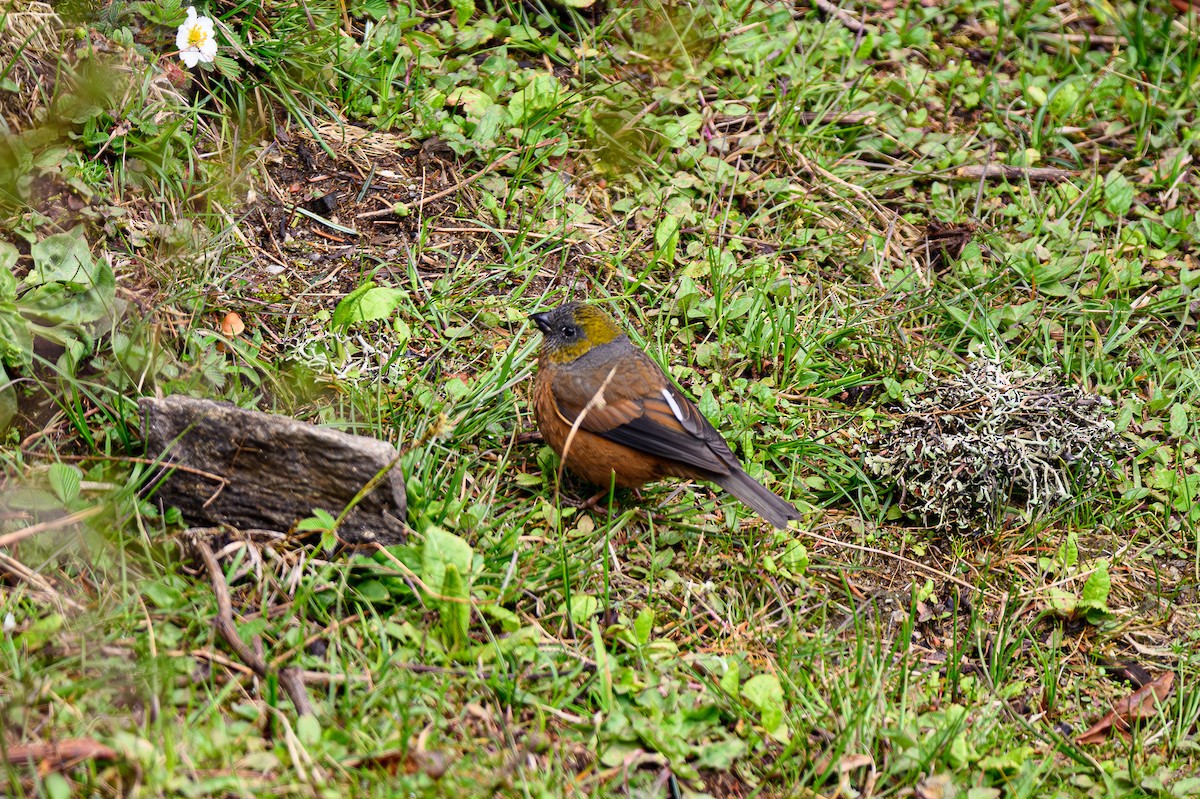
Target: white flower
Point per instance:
(195, 39)
(10, 623)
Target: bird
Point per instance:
(613, 415)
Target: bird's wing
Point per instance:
(642, 409)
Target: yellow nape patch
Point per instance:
(597, 325)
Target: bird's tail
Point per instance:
(773, 508)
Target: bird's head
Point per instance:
(571, 330)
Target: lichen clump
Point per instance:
(971, 446)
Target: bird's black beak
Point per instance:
(542, 320)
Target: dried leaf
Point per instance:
(852, 762)
(1141, 704)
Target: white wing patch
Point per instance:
(666, 392)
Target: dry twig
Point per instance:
(850, 22)
(836, 118)
(59, 755)
(1034, 174)
(292, 679)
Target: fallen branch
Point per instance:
(59, 755)
(835, 118)
(850, 22)
(291, 679)
(1034, 174)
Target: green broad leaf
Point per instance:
(1186, 787)
(61, 304)
(56, 786)
(377, 9)
(1068, 553)
(1094, 598)
(366, 303)
(1061, 602)
(1064, 100)
(490, 126)
(731, 680)
(372, 591)
(308, 730)
(616, 753)
(522, 642)
(643, 626)
(455, 609)
(582, 607)
(8, 400)
(1008, 763)
(443, 550)
(65, 480)
(721, 755)
(8, 263)
(40, 633)
(509, 621)
(967, 321)
(473, 102)
(764, 692)
(403, 332)
(1118, 194)
(536, 97)
(463, 10)
(457, 388)
(62, 258)
(1179, 420)
(162, 593)
(795, 557)
(666, 238)
(958, 753)
(16, 340)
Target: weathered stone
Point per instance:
(257, 470)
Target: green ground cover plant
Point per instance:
(814, 217)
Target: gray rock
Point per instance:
(276, 470)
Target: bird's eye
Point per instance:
(568, 331)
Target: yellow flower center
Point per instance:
(196, 36)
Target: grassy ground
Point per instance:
(787, 211)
